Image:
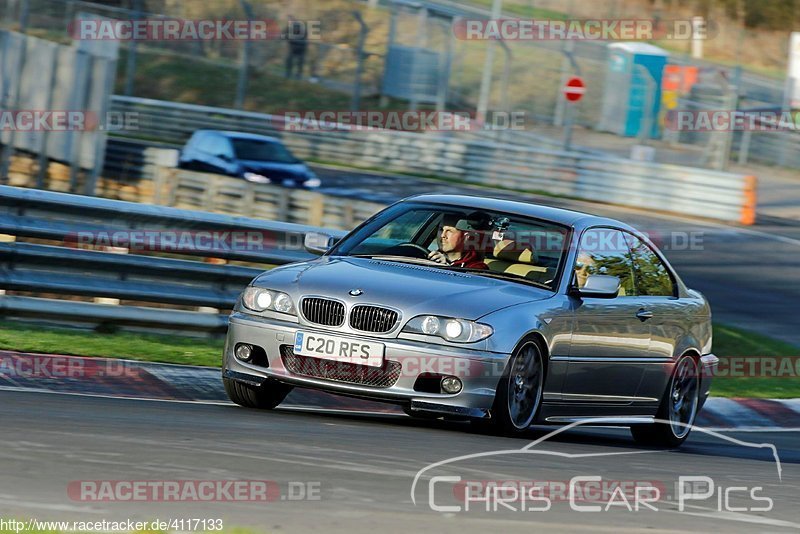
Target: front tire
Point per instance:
(264, 397)
(519, 392)
(678, 408)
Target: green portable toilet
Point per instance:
(632, 94)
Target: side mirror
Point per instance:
(225, 157)
(317, 242)
(598, 286)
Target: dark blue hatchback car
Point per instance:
(256, 158)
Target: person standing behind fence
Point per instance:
(297, 37)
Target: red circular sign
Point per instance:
(574, 89)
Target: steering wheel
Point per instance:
(416, 251)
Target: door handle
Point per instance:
(644, 315)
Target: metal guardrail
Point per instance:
(683, 190)
(97, 259)
(776, 147)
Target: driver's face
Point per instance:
(451, 239)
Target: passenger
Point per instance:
(583, 268)
(455, 235)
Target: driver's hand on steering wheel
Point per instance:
(439, 257)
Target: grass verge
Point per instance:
(25, 337)
(729, 342)
(732, 342)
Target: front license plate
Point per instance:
(340, 349)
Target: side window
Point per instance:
(652, 276)
(605, 251)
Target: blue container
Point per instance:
(632, 95)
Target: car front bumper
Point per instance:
(479, 371)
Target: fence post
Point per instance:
(444, 74)
(8, 149)
(130, 68)
(486, 78)
(241, 84)
(567, 65)
(100, 140)
(744, 146)
(355, 103)
(43, 159)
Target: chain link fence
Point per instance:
(333, 57)
(408, 54)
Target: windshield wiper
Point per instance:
(504, 276)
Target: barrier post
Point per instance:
(749, 206)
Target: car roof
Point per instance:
(242, 135)
(572, 218)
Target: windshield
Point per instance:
(486, 243)
(256, 150)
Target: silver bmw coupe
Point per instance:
(502, 312)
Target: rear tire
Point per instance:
(264, 397)
(679, 406)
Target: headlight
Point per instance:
(256, 178)
(430, 325)
(449, 328)
(259, 299)
(283, 303)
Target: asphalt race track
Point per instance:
(360, 468)
(749, 274)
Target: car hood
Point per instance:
(413, 289)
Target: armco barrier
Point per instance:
(213, 192)
(79, 250)
(673, 188)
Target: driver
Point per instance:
(454, 235)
